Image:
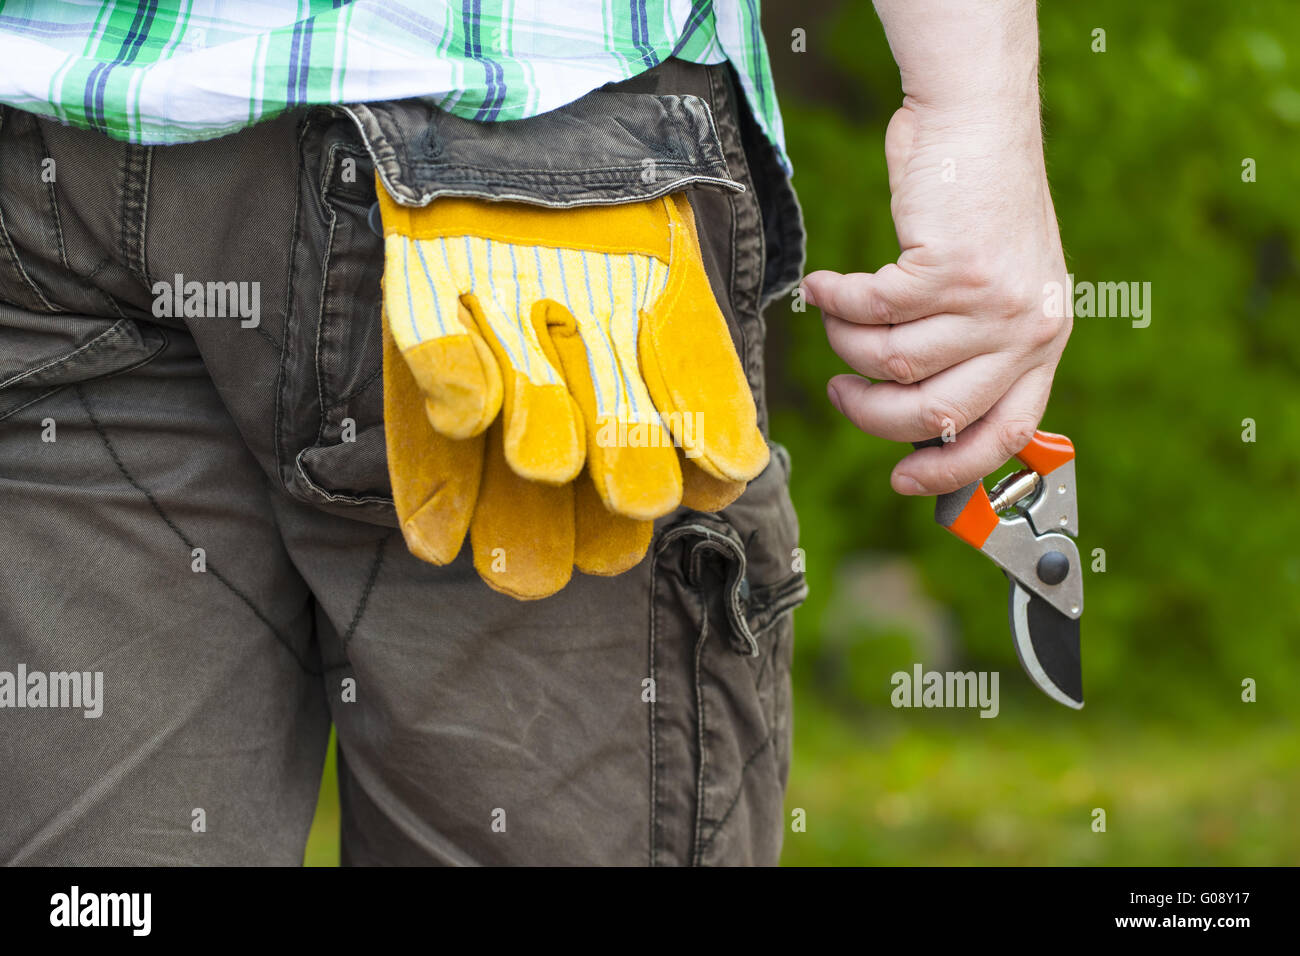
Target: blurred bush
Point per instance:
(1145, 145)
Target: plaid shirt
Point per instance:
(152, 71)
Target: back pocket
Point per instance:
(607, 148)
(330, 438)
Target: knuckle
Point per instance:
(879, 310)
(941, 418)
(1044, 328)
(1010, 299)
(1014, 435)
(953, 479)
(898, 368)
(974, 270)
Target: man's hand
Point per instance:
(955, 334)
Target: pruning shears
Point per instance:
(1027, 526)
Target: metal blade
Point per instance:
(1047, 643)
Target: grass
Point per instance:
(952, 789)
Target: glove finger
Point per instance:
(605, 543)
(522, 531)
(630, 456)
(703, 492)
(448, 358)
(544, 439)
(435, 479)
(691, 367)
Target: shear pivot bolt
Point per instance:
(1053, 567)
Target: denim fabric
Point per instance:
(197, 507)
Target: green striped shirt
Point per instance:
(151, 71)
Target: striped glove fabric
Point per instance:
(555, 379)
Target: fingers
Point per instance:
(448, 358)
(887, 297)
(703, 492)
(435, 479)
(982, 448)
(522, 531)
(631, 462)
(543, 432)
(605, 543)
(942, 405)
(912, 351)
(690, 366)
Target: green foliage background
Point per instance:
(1145, 144)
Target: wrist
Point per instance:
(954, 55)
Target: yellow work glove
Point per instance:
(589, 330)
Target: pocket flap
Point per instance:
(607, 147)
(40, 354)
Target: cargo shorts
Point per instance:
(200, 569)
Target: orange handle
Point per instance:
(1046, 452)
(968, 514)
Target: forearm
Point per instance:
(979, 57)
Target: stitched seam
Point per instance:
(113, 331)
(124, 209)
(361, 387)
(118, 371)
(594, 194)
(380, 551)
(143, 228)
(30, 402)
(701, 732)
(270, 339)
(158, 509)
(717, 828)
(329, 495)
(111, 302)
(718, 92)
(21, 270)
(54, 200)
(767, 658)
(320, 316)
(591, 175)
(654, 775)
(294, 239)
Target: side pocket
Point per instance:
(724, 588)
(41, 354)
(330, 425)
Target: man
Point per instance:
(330, 346)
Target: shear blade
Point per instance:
(1047, 643)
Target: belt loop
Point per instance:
(137, 163)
